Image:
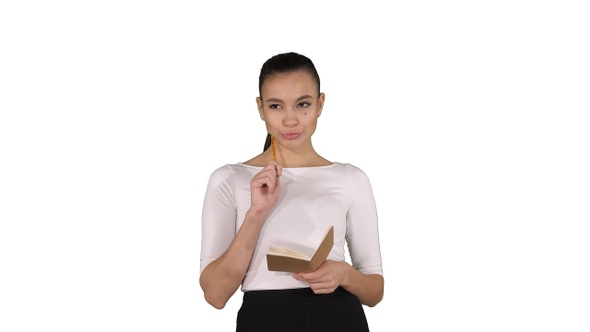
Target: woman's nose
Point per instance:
(290, 119)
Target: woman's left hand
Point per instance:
(326, 278)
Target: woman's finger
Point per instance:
(268, 176)
(277, 167)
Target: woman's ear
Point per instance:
(260, 109)
(321, 100)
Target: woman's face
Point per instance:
(290, 106)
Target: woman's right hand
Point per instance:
(265, 188)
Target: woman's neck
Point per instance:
(302, 161)
(290, 158)
(303, 156)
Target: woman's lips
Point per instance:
(292, 135)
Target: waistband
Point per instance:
(287, 294)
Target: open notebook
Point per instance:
(287, 260)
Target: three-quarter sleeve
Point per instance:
(218, 222)
(362, 234)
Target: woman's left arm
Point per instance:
(365, 277)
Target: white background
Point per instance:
(470, 118)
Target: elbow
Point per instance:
(375, 301)
(213, 295)
(380, 291)
(217, 287)
(215, 300)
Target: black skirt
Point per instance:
(301, 310)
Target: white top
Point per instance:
(312, 199)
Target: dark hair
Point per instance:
(285, 63)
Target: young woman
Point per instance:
(252, 205)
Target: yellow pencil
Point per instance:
(274, 149)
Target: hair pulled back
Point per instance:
(285, 63)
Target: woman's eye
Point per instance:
(304, 104)
(275, 106)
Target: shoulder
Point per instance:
(355, 175)
(352, 170)
(222, 171)
(221, 175)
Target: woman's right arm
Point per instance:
(223, 276)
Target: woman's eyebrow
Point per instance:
(277, 100)
(303, 97)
